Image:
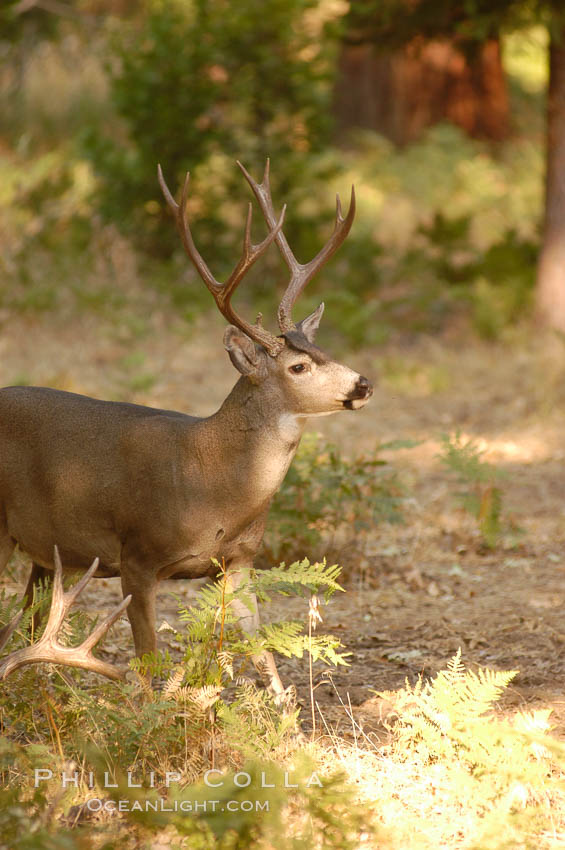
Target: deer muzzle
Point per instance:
(360, 395)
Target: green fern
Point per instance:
(482, 498)
(506, 775)
(205, 662)
(9, 606)
(465, 694)
(155, 663)
(299, 578)
(288, 638)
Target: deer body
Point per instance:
(156, 494)
(123, 482)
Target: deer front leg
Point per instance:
(141, 610)
(248, 618)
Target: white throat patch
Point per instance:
(290, 427)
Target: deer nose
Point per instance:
(363, 388)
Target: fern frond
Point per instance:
(300, 578)
(173, 683)
(144, 685)
(448, 714)
(204, 697)
(155, 663)
(455, 667)
(225, 661)
(472, 694)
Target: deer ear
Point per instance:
(311, 323)
(247, 358)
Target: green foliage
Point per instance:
(133, 726)
(523, 59)
(297, 579)
(327, 501)
(16, 27)
(497, 282)
(503, 284)
(26, 813)
(445, 224)
(214, 649)
(250, 724)
(254, 807)
(52, 83)
(481, 497)
(214, 652)
(191, 80)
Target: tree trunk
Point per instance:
(401, 93)
(550, 292)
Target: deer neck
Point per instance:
(250, 441)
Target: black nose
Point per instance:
(363, 388)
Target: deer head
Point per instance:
(298, 376)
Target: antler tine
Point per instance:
(47, 649)
(179, 212)
(90, 642)
(300, 274)
(250, 254)
(262, 192)
(222, 292)
(306, 272)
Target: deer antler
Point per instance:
(47, 649)
(222, 292)
(300, 274)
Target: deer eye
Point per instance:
(298, 367)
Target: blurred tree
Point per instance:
(408, 64)
(550, 294)
(22, 20)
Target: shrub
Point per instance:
(481, 497)
(328, 501)
(189, 80)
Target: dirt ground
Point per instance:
(424, 588)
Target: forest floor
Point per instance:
(425, 587)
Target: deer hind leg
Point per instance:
(7, 546)
(141, 611)
(37, 574)
(248, 618)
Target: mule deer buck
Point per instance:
(156, 494)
